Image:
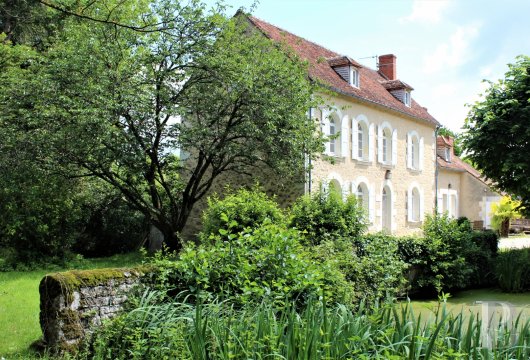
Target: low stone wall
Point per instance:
(73, 302)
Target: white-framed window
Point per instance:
(387, 144)
(335, 127)
(354, 77)
(447, 154)
(448, 202)
(415, 203)
(415, 146)
(362, 139)
(361, 133)
(407, 99)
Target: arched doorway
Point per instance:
(386, 209)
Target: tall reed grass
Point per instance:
(217, 331)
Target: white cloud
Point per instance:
(426, 11)
(453, 53)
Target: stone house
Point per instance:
(462, 190)
(383, 147)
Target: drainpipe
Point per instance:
(436, 169)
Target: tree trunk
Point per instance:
(156, 239)
(505, 228)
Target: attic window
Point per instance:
(447, 154)
(406, 98)
(354, 77)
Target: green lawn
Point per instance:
(19, 303)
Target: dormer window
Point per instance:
(346, 68)
(406, 98)
(447, 154)
(354, 77)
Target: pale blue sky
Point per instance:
(444, 48)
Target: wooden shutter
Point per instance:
(344, 140)
(420, 154)
(410, 213)
(380, 144)
(325, 130)
(394, 147)
(410, 155)
(371, 134)
(371, 203)
(354, 139)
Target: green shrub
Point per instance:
(370, 263)
(264, 263)
(442, 262)
(238, 211)
(512, 270)
(322, 217)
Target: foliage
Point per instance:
(239, 211)
(512, 269)
(504, 211)
(107, 101)
(369, 263)
(497, 138)
(216, 331)
(322, 216)
(480, 256)
(256, 264)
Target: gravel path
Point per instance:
(514, 243)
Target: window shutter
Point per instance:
(410, 214)
(325, 129)
(420, 160)
(345, 190)
(371, 203)
(354, 139)
(422, 210)
(380, 144)
(394, 147)
(409, 151)
(393, 225)
(371, 134)
(344, 140)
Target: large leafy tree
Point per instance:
(497, 137)
(112, 102)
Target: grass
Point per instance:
(19, 303)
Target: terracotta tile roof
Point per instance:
(371, 88)
(456, 163)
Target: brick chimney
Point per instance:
(387, 66)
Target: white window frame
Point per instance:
(415, 145)
(387, 145)
(332, 132)
(415, 203)
(407, 100)
(362, 148)
(354, 77)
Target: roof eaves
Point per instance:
(433, 122)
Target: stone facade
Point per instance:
(397, 176)
(72, 303)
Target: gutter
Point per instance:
(436, 169)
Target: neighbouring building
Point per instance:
(462, 190)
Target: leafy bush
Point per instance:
(512, 270)
(480, 255)
(323, 216)
(264, 263)
(238, 211)
(370, 263)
